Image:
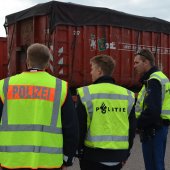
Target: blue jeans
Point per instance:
(154, 150)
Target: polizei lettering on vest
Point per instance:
(30, 92)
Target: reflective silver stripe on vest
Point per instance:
(88, 100)
(165, 112)
(137, 107)
(4, 111)
(42, 128)
(163, 82)
(105, 96)
(163, 92)
(56, 105)
(107, 138)
(35, 149)
(131, 101)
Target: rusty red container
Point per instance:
(3, 57)
(75, 33)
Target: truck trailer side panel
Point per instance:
(73, 38)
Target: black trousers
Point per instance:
(90, 165)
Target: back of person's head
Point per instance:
(146, 54)
(38, 56)
(105, 62)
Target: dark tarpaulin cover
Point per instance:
(61, 13)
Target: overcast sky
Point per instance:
(148, 8)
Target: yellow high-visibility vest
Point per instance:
(165, 84)
(31, 126)
(108, 107)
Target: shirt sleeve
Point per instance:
(70, 130)
(150, 116)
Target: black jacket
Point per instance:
(150, 116)
(69, 128)
(102, 155)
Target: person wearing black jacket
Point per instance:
(152, 110)
(103, 158)
(45, 110)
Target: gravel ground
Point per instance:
(135, 161)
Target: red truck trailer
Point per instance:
(75, 33)
(3, 58)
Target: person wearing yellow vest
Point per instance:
(152, 110)
(39, 125)
(106, 119)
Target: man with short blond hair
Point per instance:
(106, 119)
(39, 124)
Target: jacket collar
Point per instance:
(148, 73)
(104, 79)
